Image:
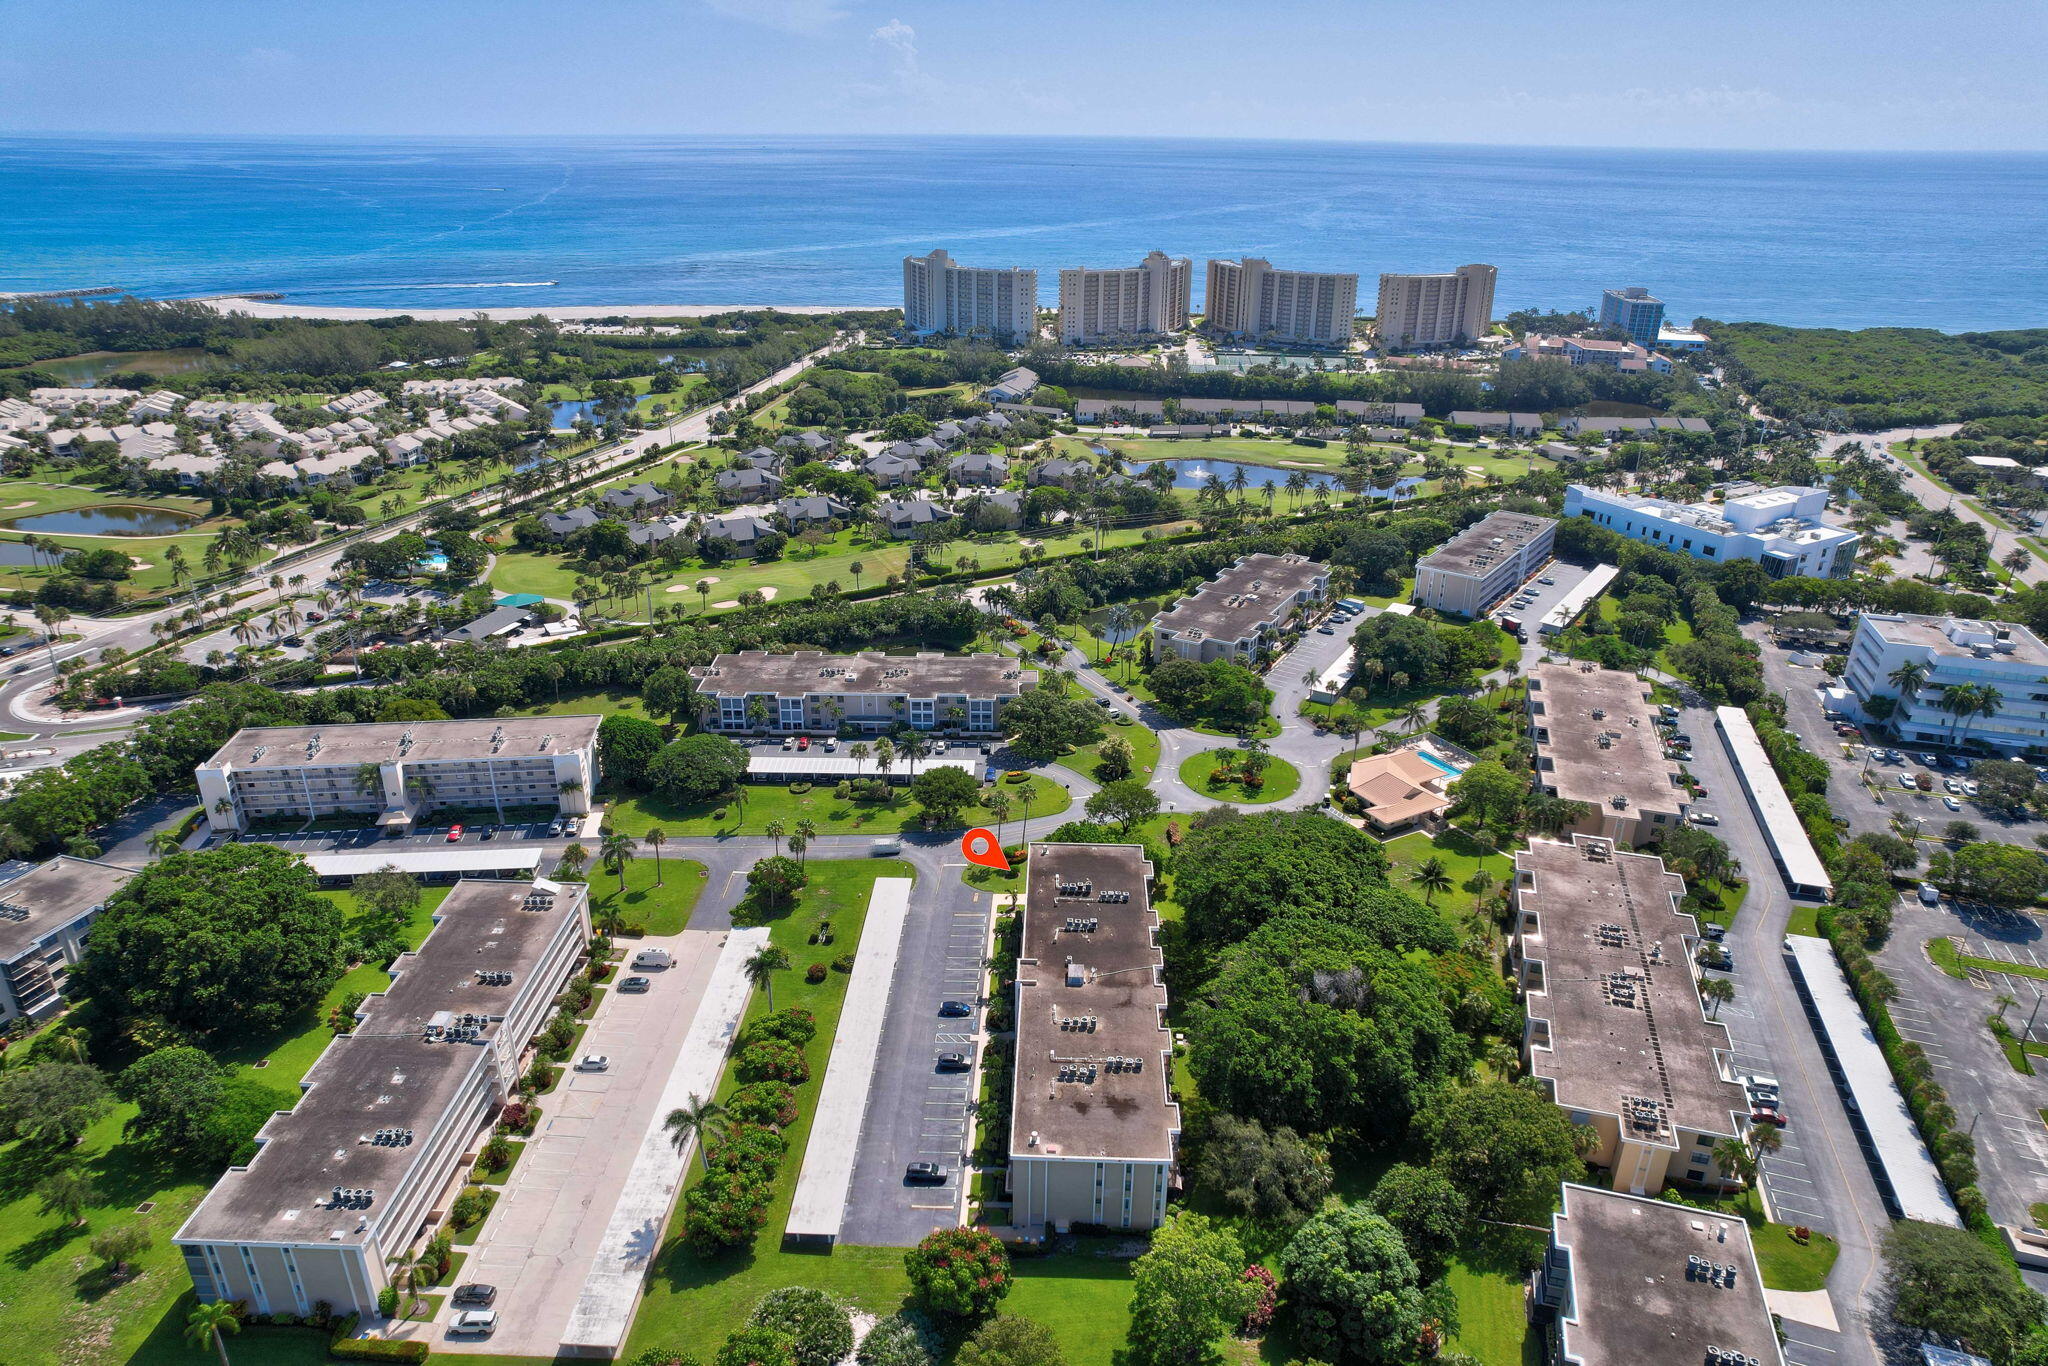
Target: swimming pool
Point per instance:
(1450, 769)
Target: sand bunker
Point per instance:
(29, 504)
(767, 595)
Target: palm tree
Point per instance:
(1432, 877)
(164, 843)
(775, 831)
(1309, 679)
(763, 966)
(2005, 1003)
(574, 857)
(1764, 1139)
(615, 849)
(656, 837)
(207, 1322)
(1734, 1159)
(697, 1119)
(858, 752)
(1907, 678)
(807, 831)
(1718, 991)
(1414, 716)
(999, 806)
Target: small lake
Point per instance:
(82, 371)
(569, 409)
(107, 521)
(1194, 472)
(1098, 622)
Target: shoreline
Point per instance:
(276, 308)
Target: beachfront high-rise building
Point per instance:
(1145, 300)
(1635, 311)
(1436, 310)
(940, 295)
(1252, 301)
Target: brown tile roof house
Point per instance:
(1398, 789)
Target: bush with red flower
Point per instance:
(963, 1273)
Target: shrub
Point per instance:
(963, 1273)
(496, 1156)
(764, 1102)
(376, 1349)
(772, 1060)
(725, 1209)
(1259, 1317)
(387, 1301)
(470, 1206)
(812, 1319)
(896, 1341)
(663, 1356)
(518, 1117)
(843, 963)
(815, 973)
(751, 1149)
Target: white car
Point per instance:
(1906, 781)
(1705, 818)
(1951, 785)
(481, 1322)
(1546, 579)
(1951, 803)
(593, 1062)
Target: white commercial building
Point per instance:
(753, 690)
(1251, 300)
(1484, 563)
(1780, 528)
(1921, 662)
(358, 1171)
(44, 916)
(397, 771)
(1453, 309)
(1145, 300)
(942, 296)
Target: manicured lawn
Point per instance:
(594, 704)
(1785, 1264)
(1199, 771)
(659, 910)
(1492, 1324)
(1945, 956)
(1461, 859)
(1144, 743)
(1036, 796)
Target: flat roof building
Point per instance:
(942, 296)
(1242, 610)
(1597, 743)
(809, 690)
(1149, 299)
(1635, 311)
(44, 916)
(1251, 300)
(396, 771)
(1093, 1130)
(1781, 529)
(1918, 661)
(1627, 1278)
(1484, 563)
(1615, 1030)
(352, 1176)
(1452, 309)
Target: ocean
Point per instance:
(1818, 239)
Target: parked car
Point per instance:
(593, 1062)
(454, 833)
(803, 742)
(490, 833)
(1951, 803)
(1766, 1114)
(1547, 579)
(475, 1294)
(1668, 710)
(635, 985)
(1325, 631)
(789, 742)
(475, 1322)
(1705, 818)
(953, 1062)
(925, 1174)
(955, 1010)
(831, 746)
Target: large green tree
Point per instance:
(1489, 793)
(51, 1103)
(1007, 1340)
(1503, 1144)
(1427, 1210)
(1189, 1293)
(1043, 725)
(230, 942)
(1232, 875)
(815, 1322)
(174, 1091)
(944, 792)
(1126, 801)
(697, 768)
(1353, 1289)
(1945, 1280)
(626, 747)
(960, 1273)
(1272, 1175)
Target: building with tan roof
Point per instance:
(1597, 744)
(1401, 790)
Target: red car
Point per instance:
(1765, 1114)
(803, 742)
(454, 833)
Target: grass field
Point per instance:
(1198, 771)
(663, 909)
(1144, 750)
(1036, 796)
(1785, 1264)
(1461, 859)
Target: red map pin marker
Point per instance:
(981, 847)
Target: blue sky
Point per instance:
(1878, 74)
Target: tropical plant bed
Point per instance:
(1239, 776)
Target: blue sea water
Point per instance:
(1846, 240)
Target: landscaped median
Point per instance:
(1240, 775)
(757, 806)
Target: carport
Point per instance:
(429, 865)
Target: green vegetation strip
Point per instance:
(1217, 773)
(1944, 954)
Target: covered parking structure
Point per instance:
(1805, 875)
(809, 766)
(429, 865)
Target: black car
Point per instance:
(955, 1010)
(925, 1174)
(473, 1295)
(953, 1062)
(633, 984)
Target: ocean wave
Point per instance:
(418, 284)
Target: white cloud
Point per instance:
(791, 16)
(899, 40)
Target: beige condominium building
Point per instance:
(1484, 563)
(397, 771)
(1616, 1032)
(1435, 310)
(812, 691)
(1145, 300)
(1093, 1128)
(44, 915)
(1597, 743)
(1240, 611)
(1252, 300)
(359, 1169)
(1627, 1278)
(940, 295)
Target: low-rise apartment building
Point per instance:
(1596, 352)
(1450, 309)
(808, 690)
(1252, 300)
(356, 1172)
(44, 915)
(397, 771)
(1597, 744)
(1781, 528)
(1484, 563)
(1149, 299)
(1627, 1277)
(940, 295)
(1920, 663)
(1615, 1031)
(1242, 610)
(1093, 1127)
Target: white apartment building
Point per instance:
(808, 690)
(44, 915)
(1251, 300)
(1484, 563)
(353, 1175)
(1145, 300)
(1093, 1125)
(940, 295)
(1241, 611)
(1948, 653)
(1454, 309)
(1780, 528)
(398, 771)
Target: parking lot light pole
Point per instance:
(2027, 1032)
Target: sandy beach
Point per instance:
(285, 308)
